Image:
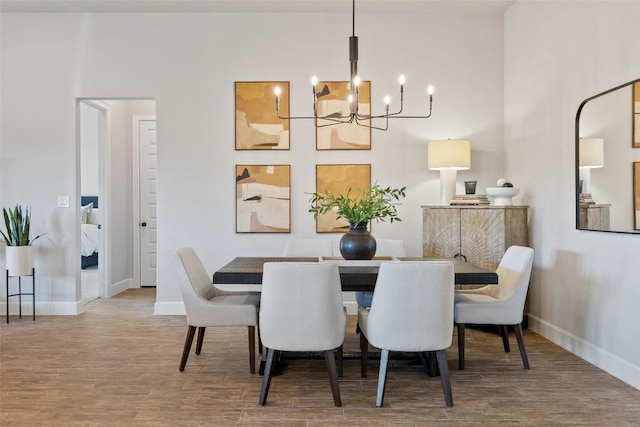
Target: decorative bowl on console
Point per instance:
(502, 195)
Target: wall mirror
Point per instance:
(607, 186)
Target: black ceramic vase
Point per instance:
(358, 243)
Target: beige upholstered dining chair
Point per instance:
(208, 306)
(288, 322)
(501, 305)
(411, 311)
(384, 248)
(307, 248)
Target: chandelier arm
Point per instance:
(397, 115)
(330, 124)
(370, 126)
(293, 117)
(340, 119)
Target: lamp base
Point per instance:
(447, 185)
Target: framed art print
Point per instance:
(333, 100)
(257, 124)
(263, 198)
(339, 179)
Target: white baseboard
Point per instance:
(352, 307)
(120, 286)
(597, 356)
(43, 308)
(169, 308)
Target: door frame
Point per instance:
(104, 193)
(135, 137)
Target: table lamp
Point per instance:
(448, 156)
(591, 156)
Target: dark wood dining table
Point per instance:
(354, 276)
(357, 276)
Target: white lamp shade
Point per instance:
(449, 154)
(591, 153)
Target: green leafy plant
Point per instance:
(17, 224)
(360, 206)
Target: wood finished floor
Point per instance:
(117, 365)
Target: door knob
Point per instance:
(143, 224)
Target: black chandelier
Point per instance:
(354, 115)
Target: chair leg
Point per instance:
(504, 333)
(382, 377)
(268, 373)
(444, 377)
(191, 331)
(523, 351)
(330, 360)
(364, 354)
(461, 346)
(252, 349)
(339, 353)
(201, 330)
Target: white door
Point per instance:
(148, 204)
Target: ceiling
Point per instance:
(262, 6)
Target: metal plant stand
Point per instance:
(19, 294)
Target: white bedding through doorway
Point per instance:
(89, 239)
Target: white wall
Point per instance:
(189, 63)
(89, 140)
(585, 288)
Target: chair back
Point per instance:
(412, 307)
(514, 272)
(390, 247)
(301, 306)
(308, 248)
(195, 283)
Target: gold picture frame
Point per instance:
(636, 115)
(257, 125)
(339, 179)
(263, 198)
(333, 99)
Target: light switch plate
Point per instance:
(63, 201)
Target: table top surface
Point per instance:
(248, 270)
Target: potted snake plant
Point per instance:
(19, 250)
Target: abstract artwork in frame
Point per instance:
(636, 195)
(263, 198)
(333, 100)
(257, 125)
(339, 179)
(636, 115)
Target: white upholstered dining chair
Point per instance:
(301, 310)
(501, 305)
(411, 311)
(384, 248)
(208, 306)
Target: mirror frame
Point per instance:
(577, 158)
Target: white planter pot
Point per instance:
(20, 260)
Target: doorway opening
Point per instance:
(109, 194)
